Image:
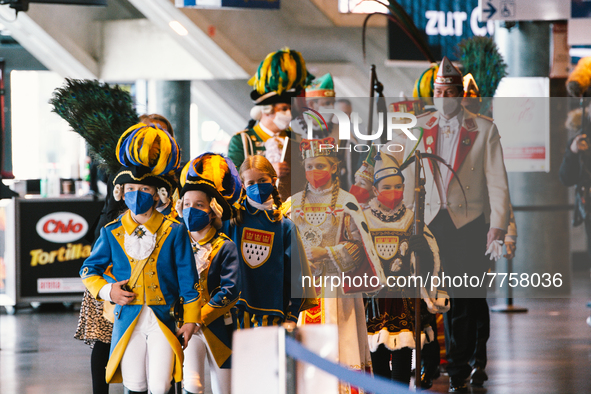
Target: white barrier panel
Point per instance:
(321, 339)
(259, 360)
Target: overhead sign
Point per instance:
(525, 10)
(268, 4)
(444, 24)
(580, 9)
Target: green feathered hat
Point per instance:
(279, 78)
(321, 87)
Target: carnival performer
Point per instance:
(362, 189)
(167, 194)
(279, 78)
(210, 184)
(391, 313)
(272, 257)
(152, 269)
(337, 242)
(99, 113)
(466, 219)
(320, 96)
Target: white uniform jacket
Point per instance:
(479, 165)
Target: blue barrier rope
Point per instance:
(376, 385)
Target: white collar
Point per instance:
(321, 192)
(375, 205)
(454, 121)
(266, 206)
(267, 130)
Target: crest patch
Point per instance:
(386, 246)
(315, 215)
(256, 246)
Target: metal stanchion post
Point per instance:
(509, 307)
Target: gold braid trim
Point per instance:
(148, 175)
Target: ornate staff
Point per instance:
(419, 226)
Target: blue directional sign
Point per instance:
(264, 4)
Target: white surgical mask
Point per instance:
(282, 119)
(446, 105)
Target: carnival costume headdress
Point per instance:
(279, 78)
(318, 148)
(215, 175)
(148, 156)
(321, 87)
(367, 167)
(386, 166)
(99, 113)
(448, 74)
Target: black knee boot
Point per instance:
(401, 360)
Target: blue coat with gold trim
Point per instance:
(169, 273)
(218, 290)
(272, 262)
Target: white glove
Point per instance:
(495, 250)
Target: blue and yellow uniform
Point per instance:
(272, 263)
(218, 292)
(169, 273)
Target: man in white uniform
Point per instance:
(463, 227)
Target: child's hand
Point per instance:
(318, 253)
(185, 333)
(120, 296)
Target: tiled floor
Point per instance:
(547, 350)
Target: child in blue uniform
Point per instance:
(152, 266)
(210, 184)
(272, 257)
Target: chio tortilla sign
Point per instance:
(62, 227)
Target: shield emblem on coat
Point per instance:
(256, 246)
(386, 246)
(315, 214)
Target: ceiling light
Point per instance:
(178, 28)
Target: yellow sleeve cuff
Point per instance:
(209, 313)
(94, 284)
(191, 312)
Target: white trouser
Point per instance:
(147, 342)
(194, 368)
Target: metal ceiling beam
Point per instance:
(51, 53)
(165, 15)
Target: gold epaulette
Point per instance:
(111, 222)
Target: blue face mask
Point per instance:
(139, 202)
(195, 219)
(259, 192)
